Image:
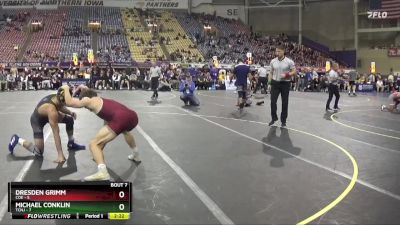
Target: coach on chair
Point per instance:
(282, 70)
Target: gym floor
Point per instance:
(212, 165)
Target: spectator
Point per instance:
(262, 79)
(116, 81)
(125, 81)
(391, 82)
(379, 86)
(133, 81)
(398, 82)
(201, 82)
(164, 84)
(46, 81)
(187, 88)
(10, 82)
(3, 81)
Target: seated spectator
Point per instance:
(116, 81)
(187, 88)
(164, 84)
(55, 81)
(10, 82)
(146, 82)
(379, 86)
(134, 82)
(201, 82)
(125, 81)
(3, 81)
(103, 81)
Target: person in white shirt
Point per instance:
(262, 79)
(116, 80)
(155, 73)
(379, 85)
(333, 88)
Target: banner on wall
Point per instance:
(143, 4)
(43, 4)
(394, 52)
(161, 4)
(373, 68)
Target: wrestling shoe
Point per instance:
(74, 146)
(134, 157)
(100, 175)
(283, 125)
(13, 142)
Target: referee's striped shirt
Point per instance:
(280, 67)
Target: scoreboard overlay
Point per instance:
(70, 200)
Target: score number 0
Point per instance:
(121, 195)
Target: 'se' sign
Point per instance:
(232, 12)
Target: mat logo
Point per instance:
(377, 15)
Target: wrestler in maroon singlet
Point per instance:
(118, 117)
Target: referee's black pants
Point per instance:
(333, 90)
(154, 86)
(282, 88)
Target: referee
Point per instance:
(155, 73)
(282, 70)
(333, 88)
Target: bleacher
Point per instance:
(76, 37)
(139, 38)
(12, 33)
(46, 42)
(128, 34)
(113, 45)
(179, 39)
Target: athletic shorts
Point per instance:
(352, 82)
(241, 90)
(123, 120)
(37, 124)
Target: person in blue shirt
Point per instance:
(241, 73)
(214, 75)
(308, 80)
(187, 89)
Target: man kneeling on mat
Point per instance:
(51, 109)
(395, 97)
(187, 88)
(118, 119)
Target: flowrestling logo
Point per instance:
(377, 15)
